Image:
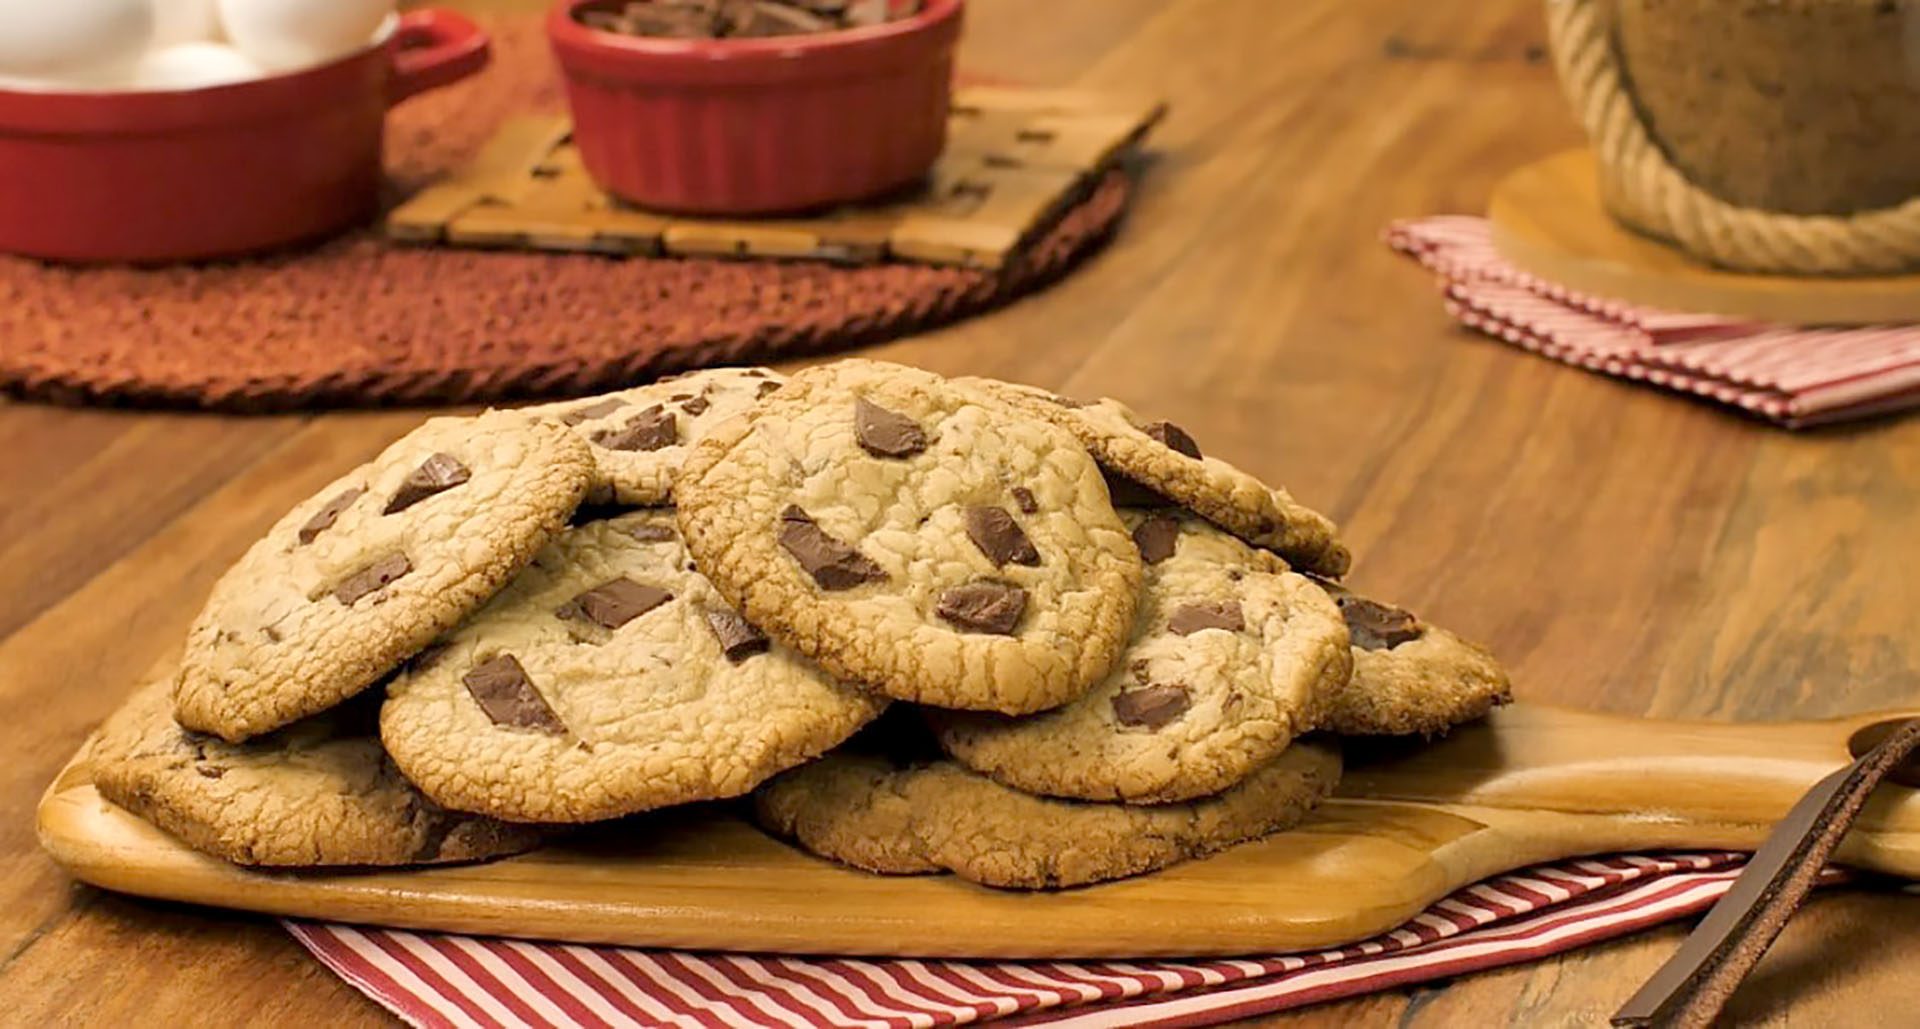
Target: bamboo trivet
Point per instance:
(1015, 159)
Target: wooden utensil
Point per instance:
(1412, 822)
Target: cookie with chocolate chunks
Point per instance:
(609, 678)
(319, 792)
(905, 818)
(915, 538)
(369, 570)
(1409, 677)
(1232, 657)
(640, 436)
(1152, 463)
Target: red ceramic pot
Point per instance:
(758, 126)
(188, 174)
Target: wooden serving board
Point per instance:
(1411, 823)
(1548, 221)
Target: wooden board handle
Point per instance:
(1619, 783)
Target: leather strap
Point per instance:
(1691, 988)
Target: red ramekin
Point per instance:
(758, 126)
(189, 174)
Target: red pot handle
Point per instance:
(434, 48)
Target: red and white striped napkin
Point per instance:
(1791, 375)
(440, 980)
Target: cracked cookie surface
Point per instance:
(1409, 677)
(640, 436)
(915, 538)
(1156, 461)
(370, 569)
(1232, 657)
(319, 792)
(609, 678)
(873, 813)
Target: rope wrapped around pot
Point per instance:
(1643, 188)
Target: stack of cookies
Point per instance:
(927, 625)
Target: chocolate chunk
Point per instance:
(436, 475)
(738, 19)
(885, 433)
(760, 20)
(651, 429)
(324, 518)
(433, 839)
(611, 605)
(760, 392)
(833, 564)
(696, 405)
(501, 688)
(1154, 707)
(598, 409)
(651, 532)
(371, 579)
(1174, 438)
(1128, 492)
(1024, 497)
(1157, 537)
(984, 606)
(1376, 626)
(999, 537)
(667, 20)
(427, 658)
(738, 638)
(210, 771)
(1191, 618)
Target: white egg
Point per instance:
(75, 39)
(287, 34)
(184, 21)
(194, 66)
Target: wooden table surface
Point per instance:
(1620, 549)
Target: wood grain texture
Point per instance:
(1622, 550)
(1410, 823)
(1548, 221)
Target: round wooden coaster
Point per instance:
(1549, 222)
(361, 321)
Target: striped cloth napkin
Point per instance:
(440, 980)
(1790, 375)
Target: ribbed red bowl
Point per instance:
(183, 175)
(758, 126)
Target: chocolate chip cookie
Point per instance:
(373, 567)
(915, 538)
(1232, 657)
(318, 792)
(640, 436)
(609, 677)
(1408, 676)
(883, 816)
(1156, 463)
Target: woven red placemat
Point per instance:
(361, 322)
